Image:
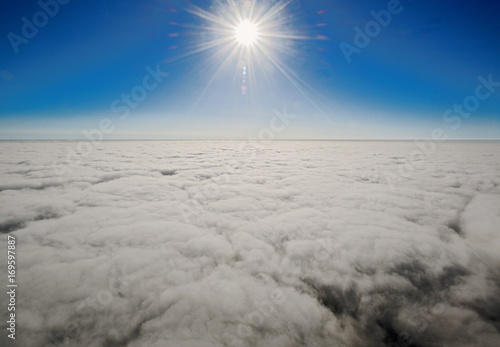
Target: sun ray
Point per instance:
(208, 16)
(215, 75)
(273, 12)
(257, 32)
(192, 50)
(293, 78)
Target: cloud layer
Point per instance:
(266, 244)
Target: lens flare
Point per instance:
(250, 36)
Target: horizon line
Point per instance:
(260, 140)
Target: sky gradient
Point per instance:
(166, 70)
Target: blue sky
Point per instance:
(65, 66)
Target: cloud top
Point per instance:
(290, 244)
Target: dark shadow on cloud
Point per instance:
(455, 226)
(13, 225)
(10, 226)
(339, 301)
(168, 172)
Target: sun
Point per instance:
(246, 32)
(255, 39)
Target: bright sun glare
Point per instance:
(254, 36)
(246, 33)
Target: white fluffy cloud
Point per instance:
(283, 244)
